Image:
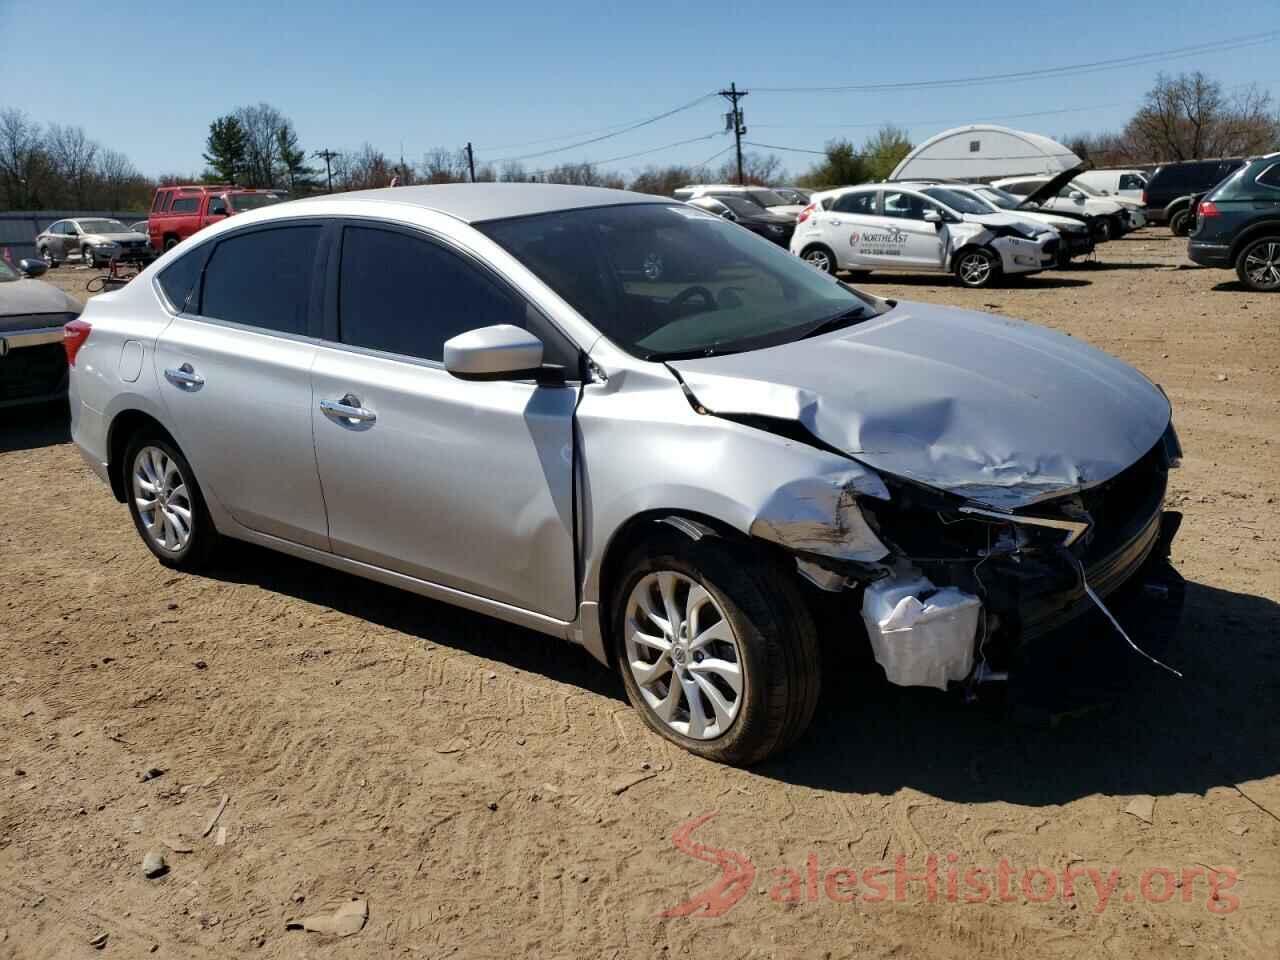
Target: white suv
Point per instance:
(898, 227)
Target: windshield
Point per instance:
(665, 281)
(252, 201)
(769, 198)
(103, 226)
(741, 205)
(1001, 198)
(7, 272)
(960, 202)
(791, 196)
(1086, 189)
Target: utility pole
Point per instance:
(327, 155)
(471, 161)
(733, 121)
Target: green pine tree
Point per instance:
(226, 148)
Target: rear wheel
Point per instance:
(170, 243)
(820, 257)
(1259, 264)
(1180, 223)
(976, 268)
(716, 649)
(165, 502)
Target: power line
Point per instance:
(640, 153)
(718, 153)
(607, 136)
(925, 123)
(1140, 59)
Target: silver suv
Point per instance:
(620, 420)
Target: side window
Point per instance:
(179, 279)
(903, 206)
(262, 278)
(1270, 177)
(217, 206)
(158, 202)
(408, 295)
(1022, 188)
(168, 198)
(864, 203)
(1131, 181)
(185, 205)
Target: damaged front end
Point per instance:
(955, 591)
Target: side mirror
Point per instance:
(1076, 195)
(33, 266)
(500, 352)
(730, 215)
(932, 216)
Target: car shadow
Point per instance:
(1217, 726)
(1093, 266)
(1230, 286)
(428, 620)
(29, 428)
(1035, 282)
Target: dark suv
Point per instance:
(1238, 225)
(1167, 197)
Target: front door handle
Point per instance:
(348, 408)
(184, 376)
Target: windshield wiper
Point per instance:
(835, 323)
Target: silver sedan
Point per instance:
(619, 420)
(95, 240)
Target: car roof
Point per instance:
(478, 202)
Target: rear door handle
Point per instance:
(348, 408)
(184, 376)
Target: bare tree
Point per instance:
(262, 125)
(22, 158)
(1189, 117)
(442, 165)
(513, 171)
(72, 155)
(757, 170)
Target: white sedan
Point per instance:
(898, 227)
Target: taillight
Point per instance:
(74, 334)
(804, 214)
(1144, 197)
(1208, 209)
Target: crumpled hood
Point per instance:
(999, 411)
(34, 296)
(1005, 220)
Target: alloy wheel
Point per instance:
(683, 655)
(819, 259)
(86, 255)
(163, 500)
(975, 269)
(1262, 265)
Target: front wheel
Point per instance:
(86, 255)
(166, 504)
(716, 649)
(1180, 223)
(1259, 265)
(976, 268)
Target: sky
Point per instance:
(520, 78)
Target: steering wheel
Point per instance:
(687, 294)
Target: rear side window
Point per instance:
(408, 295)
(855, 203)
(185, 205)
(1131, 181)
(179, 279)
(262, 279)
(1270, 177)
(1023, 188)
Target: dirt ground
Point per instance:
(488, 791)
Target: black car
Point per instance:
(1238, 225)
(33, 362)
(747, 213)
(1167, 197)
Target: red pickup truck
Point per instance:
(179, 211)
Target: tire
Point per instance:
(87, 256)
(1180, 223)
(821, 257)
(1258, 265)
(970, 272)
(151, 456)
(170, 243)
(1106, 230)
(767, 629)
